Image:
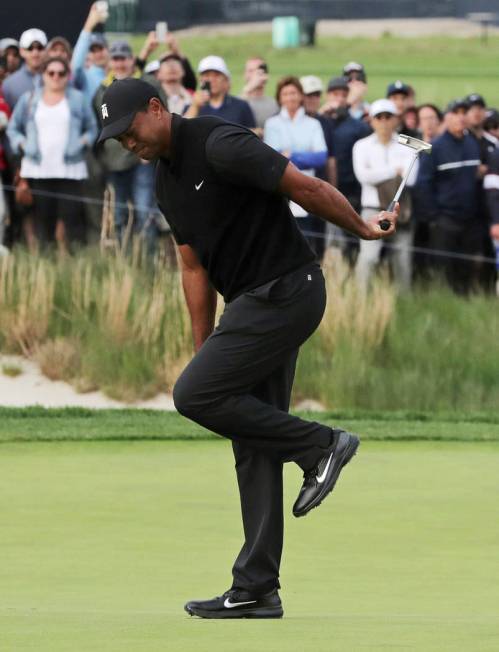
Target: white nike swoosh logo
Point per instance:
(321, 478)
(198, 186)
(231, 605)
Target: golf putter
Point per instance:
(419, 146)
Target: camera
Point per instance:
(205, 86)
(264, 68)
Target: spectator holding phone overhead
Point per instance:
(256, 76)
(162, 36)
(214, 98)
(92, 46)
(170, 75)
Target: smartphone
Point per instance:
(103, 9)
(161, 31)
(264, 68)
(205, 86)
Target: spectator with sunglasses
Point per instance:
(32, 43)
(51, 128)
(379, 163)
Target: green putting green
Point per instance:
(101, 543)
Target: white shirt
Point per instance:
(298, 134)
(374, 162)
(52, 126)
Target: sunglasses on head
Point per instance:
(36, 46)
(57, 73)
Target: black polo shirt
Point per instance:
(218, 191)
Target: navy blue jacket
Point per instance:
(234, 110)
(447, 183)
(346, 132)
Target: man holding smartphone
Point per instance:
(214, 98)
(256, 76)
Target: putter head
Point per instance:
(414, 143)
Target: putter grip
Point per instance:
(384, 225)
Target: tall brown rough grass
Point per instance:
(111, 323)
(26, 302)
(354, 314)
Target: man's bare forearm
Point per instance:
(201, 300)
(323, 200)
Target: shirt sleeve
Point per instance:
(78, 59)
(241, 158)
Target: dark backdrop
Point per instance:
(191, 12)
(66, 16)
(55, 17)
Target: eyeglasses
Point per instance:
(57, 73)
(36, 46)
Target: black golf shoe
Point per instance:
(237, 604)
(320, 481)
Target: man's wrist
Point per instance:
(364, 231)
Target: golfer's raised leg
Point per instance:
(255, 336)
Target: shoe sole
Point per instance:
(262, 612)
(348, 453)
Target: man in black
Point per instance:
(224, 193)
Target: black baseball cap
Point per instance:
(398, 87)
(474, 99)
(120, 50)
(336, 83)
(120, 102)
(354, 67)
(455, 105)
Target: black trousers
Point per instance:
(458, 236)
(239, 385)
(58, 199)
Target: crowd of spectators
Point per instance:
(59, 187)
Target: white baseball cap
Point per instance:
(6, 43)
(152, 67)
(311, 84)
(215, 63)
(382, 106)
(31, 36)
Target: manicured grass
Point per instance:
(439, 67)
(101, 544)
(77, 424)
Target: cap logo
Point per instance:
(105, 114)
